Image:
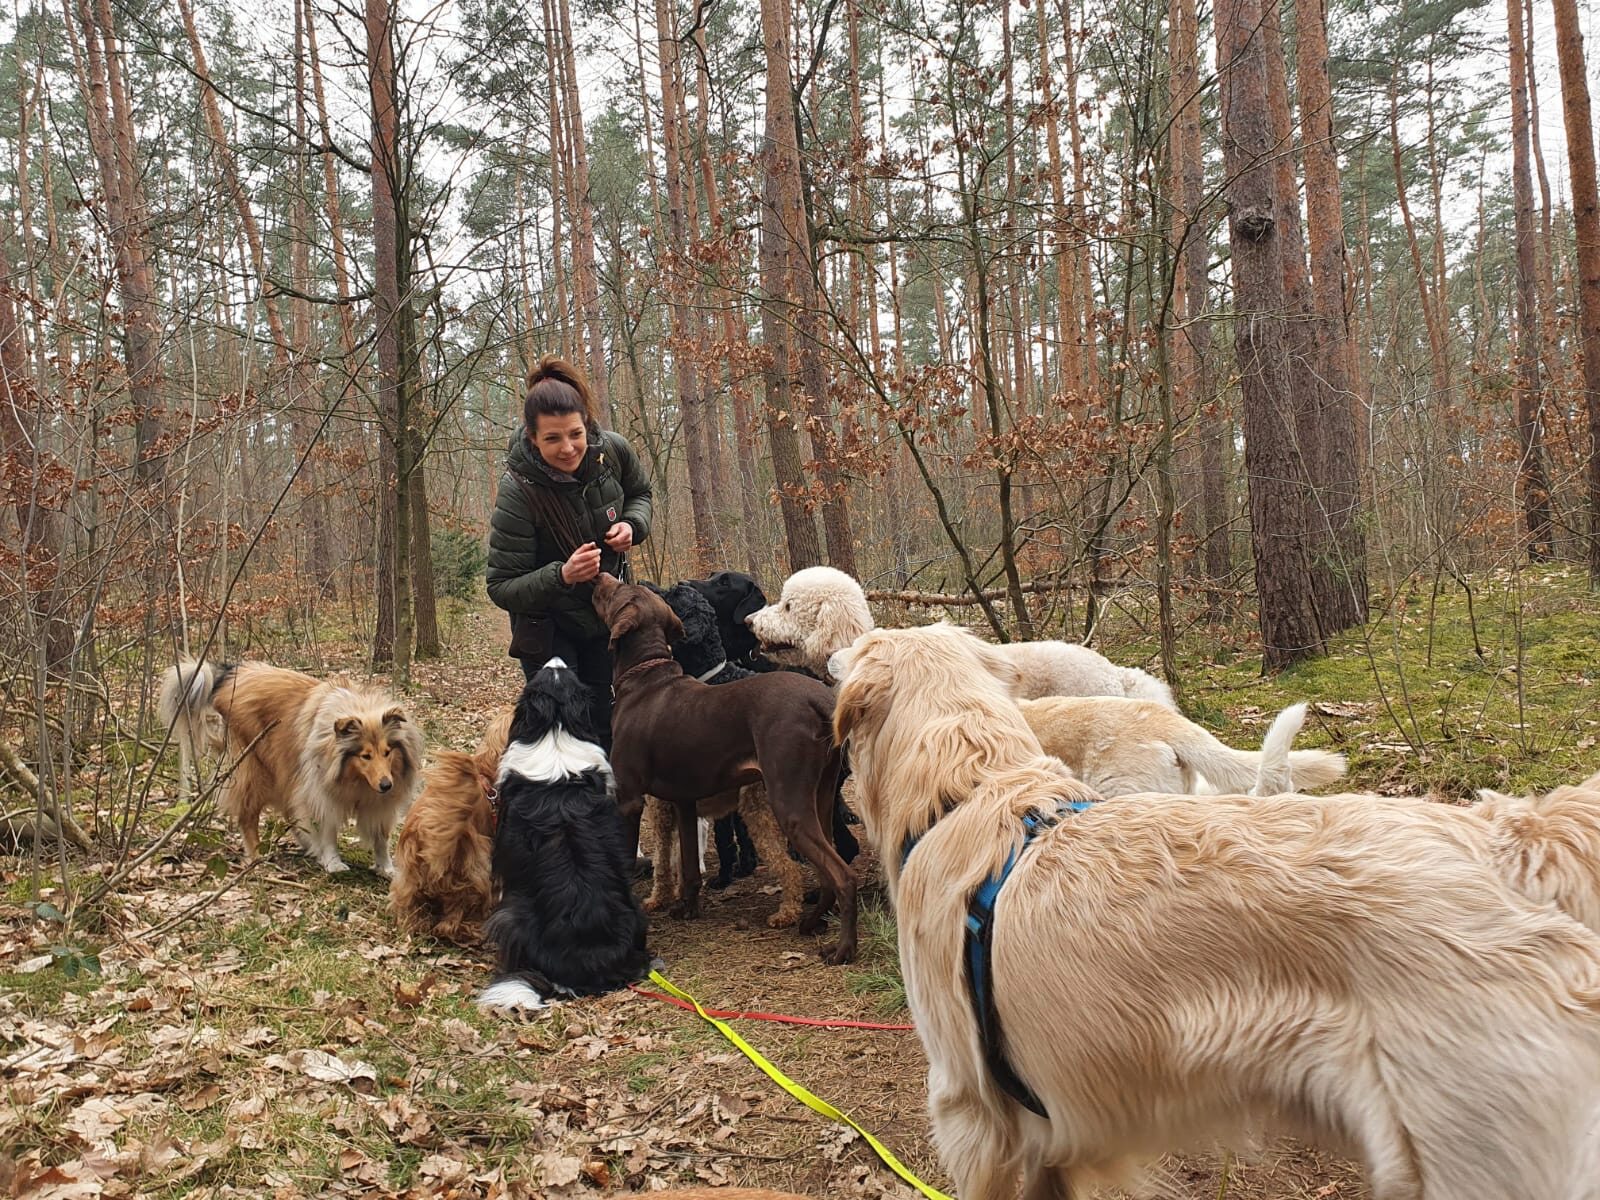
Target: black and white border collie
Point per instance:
(568, 923)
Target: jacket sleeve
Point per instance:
(636, 505)
(517, 581)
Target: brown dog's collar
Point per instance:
(616, 683)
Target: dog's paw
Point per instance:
(784, 918)
(812, 922)
(718, 883)
(685, 910)
(836, 955)
(655, 904)
(385, 869)
(334, 866)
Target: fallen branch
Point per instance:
(959, 599)
(29, 782)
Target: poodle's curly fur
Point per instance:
(700, 652)
(442, 883)
(822, 610)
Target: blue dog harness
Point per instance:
(979, 961)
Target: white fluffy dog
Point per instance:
(1119, 747)
(1161, 970)
(822, 610)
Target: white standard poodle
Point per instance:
(822, 610)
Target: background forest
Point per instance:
(1029, 311)
(1258, 343)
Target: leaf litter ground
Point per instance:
(283, 1038)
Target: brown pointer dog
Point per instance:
(681, 740)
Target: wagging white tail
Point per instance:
(1119, 747)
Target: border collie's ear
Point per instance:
(345, 726)
(394, 716)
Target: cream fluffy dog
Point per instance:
(1167, 969)
(1119, 747)
(822, 610)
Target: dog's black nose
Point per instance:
(385, 784)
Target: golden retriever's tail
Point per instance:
(184, 705)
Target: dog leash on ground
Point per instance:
(806, 1097)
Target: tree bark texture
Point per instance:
(1532, 481)
(1586, 224)
(1272, 463)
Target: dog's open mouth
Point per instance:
(775, 645)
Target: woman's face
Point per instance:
(561, 439)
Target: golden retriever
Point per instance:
(1119, 747)
(443, 883)
(1169, 970)
(318, 753)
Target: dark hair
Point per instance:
(557, 388)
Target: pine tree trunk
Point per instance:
(778, 288)
(584, 272)
(1344, 605)
(803, 298)
(1586, 224)
(302, 376)
(392, 639)
(235, 186)
(735, 341)
(1193, 373)
(1277, 505)
(111, 135)
(1531, 478)
(1546, 255)
(559, 184)
(691, 401)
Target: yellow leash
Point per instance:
(809, 1099)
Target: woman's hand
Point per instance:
(620, 537)
(583, 566)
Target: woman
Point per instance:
(572, 502)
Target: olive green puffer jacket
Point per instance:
(524, 571)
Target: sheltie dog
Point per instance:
(442, 881)
(318, 753)
(568, 922)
